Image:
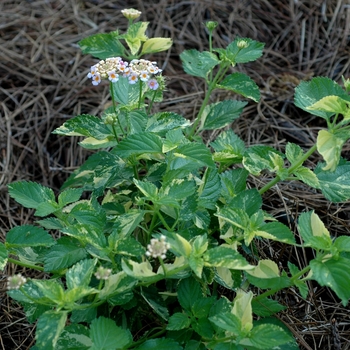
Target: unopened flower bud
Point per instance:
(102, 273)
(131, 13)
(242, 44)
(346, 83)
(211, 25)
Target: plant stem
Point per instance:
(151, 104)
(21, 263)
(294, 166)
(115, 110)
(140, 95)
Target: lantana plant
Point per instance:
(157, 229)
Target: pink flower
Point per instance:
(153, 84)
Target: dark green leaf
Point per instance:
(241, 84)
(28, 236)
(125, 93)
(251, 52)
(188, 292)
(217, 115)
(198, 64)
(102, 46)
(161, 123)
(69, 196)
(3, 256)
(342, 243)
(155, 301)
(106, 335)
(249, 201)
(178, 321)
(277, 232)
(233, 182)
(74, 337)
(333, 273)
(227, 321)
(210, 190)
(266, 307)
(160, 344)
(30, 194)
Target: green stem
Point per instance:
(163, 221)
(155, 335)
(212, 85)
(294, 166)
(115, 110)
(140, 94)
(21, 263)
(163, 266)
(151, 104)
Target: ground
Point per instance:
(43, 83)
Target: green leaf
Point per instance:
(155, 301)
(3, 256)
(277, 232)
(49, 327)
(178, 321)
(332, 104)
(103, 46)
(267, 336)
(156, 45)
(210, 189)
(193, 154)
(106, 335)
(148, 189)
(335, 185)
(333, 273)
(227, 321)
(266, 307)
(241, 84)
(135, 36)
(242, 308)
(64, 254)
(137, 144)
(330, 145)
(30, 194)
(163, 122)
(28, 236)
(293, 152)
(69, 196)
(251, 52)
(74, 337)
(300, 284)
(313, 231)
(342, 243)
(249, 201)
(307, 176)
(233, 182)
(160, 344)
(80, 274)
(226, 257)
(125, 93)
(198, 64)
(217, 115)
(84, 125)
(308, 93)
(189, 291)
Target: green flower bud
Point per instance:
(242, 44)
(131, 13)
(211, 25)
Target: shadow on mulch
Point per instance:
(43, 83)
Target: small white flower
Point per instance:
(102, 273)
(131, 13)
(133, 78)
(96, 79)
(158, 247)
(153, 84)
(144, 76)
(113, 76)
(92, 72)
(16, 281)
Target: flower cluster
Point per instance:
(114, 67)
(16, 281)
(131, 13)
(158, 247)
(102, 273)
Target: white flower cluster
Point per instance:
(102, 273)
(158, 247)
(114, 67)
(16, 281)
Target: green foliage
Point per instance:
(166, 219)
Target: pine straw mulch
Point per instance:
(43, 83)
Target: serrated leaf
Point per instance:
(277, 232)
(103, 45)
(251, 52)
(148, 189)
(226, 257)
(194, 155)
(307, 176)
(62, 255)
(28, 236)
(3, 256)
(69, 196)
(163, 122)
(80, 274)
(266, 307)
(137, 144)
(119, 283)
(125, 93)
(217, 115)
(154, 300)
(74, 337)
(30, 194)
(293, 152)
(84, 125)
(178, 321)
(198, 64)
(233, 182)
(335, 185)
(92, 143)
(300, 284)
(342, 243)
(267, 336)
(210, 190)
(308, 93)
(106, 335)
(189, 291)
(49, 327)
(333, 273)
(313, 231)
(332, 104)
(242, 308)
(241, 84)
(156, 45)
(227, 321)
(135, 36)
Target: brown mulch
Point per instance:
(43, 83)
